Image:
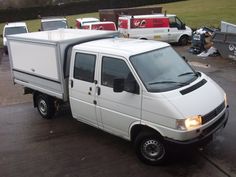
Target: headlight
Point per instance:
(189, 123)
(225, 98)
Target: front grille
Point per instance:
(213, 126)
(211, 115)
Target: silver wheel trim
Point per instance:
(43, 107)
(153, 150)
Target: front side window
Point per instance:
(113, 68)
(175, 22)
(162, 70)
(84, 67)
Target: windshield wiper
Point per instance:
(188, 73)
(168, 82)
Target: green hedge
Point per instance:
(10, 15)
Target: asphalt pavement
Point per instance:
(64, 147)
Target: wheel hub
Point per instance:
(153, 150)
(42, 107)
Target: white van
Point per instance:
(53, 23)
(161, 27)
(13, 28)
(140, 90)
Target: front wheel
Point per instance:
(150, 148)
(183, 40)
(45, 106)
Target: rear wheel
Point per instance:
(150, 148)
(45, 106)
(5, 50)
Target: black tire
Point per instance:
(183, 40)
(45, 106)
(5, 50)
(150, 148)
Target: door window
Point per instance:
(113, 68)
(84, 67)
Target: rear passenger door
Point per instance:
(82, 87)
(117, 111)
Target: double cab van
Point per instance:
(161, 27)
(139, 90)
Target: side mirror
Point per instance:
(1, 36)
(183, 26)
(118, 85)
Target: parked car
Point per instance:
(161, 27)
(107, 25)
(140, 90)
(12, 28)
(53, 23)
(80, 22)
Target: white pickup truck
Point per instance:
(140, 90)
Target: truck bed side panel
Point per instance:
(36, 66)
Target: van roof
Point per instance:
(149, 16)
(61, 35)
(49, 19)
(15, 24)
(121, 46)
(87, 20)
(105, 22)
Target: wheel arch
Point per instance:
(137, 128)
(183, 35)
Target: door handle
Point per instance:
(98, 90)
(71, 83)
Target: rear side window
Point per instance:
(84, 67)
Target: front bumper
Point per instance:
(206, 135)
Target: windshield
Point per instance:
(162, 70)
(15, 30)
(53, 25)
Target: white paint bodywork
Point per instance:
(37, 62)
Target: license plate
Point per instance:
(218, 132)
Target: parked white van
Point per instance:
(161, 27)
(53, 23)
(140, 90)
(13, 28)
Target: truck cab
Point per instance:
(161, 27)
(150, 96)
